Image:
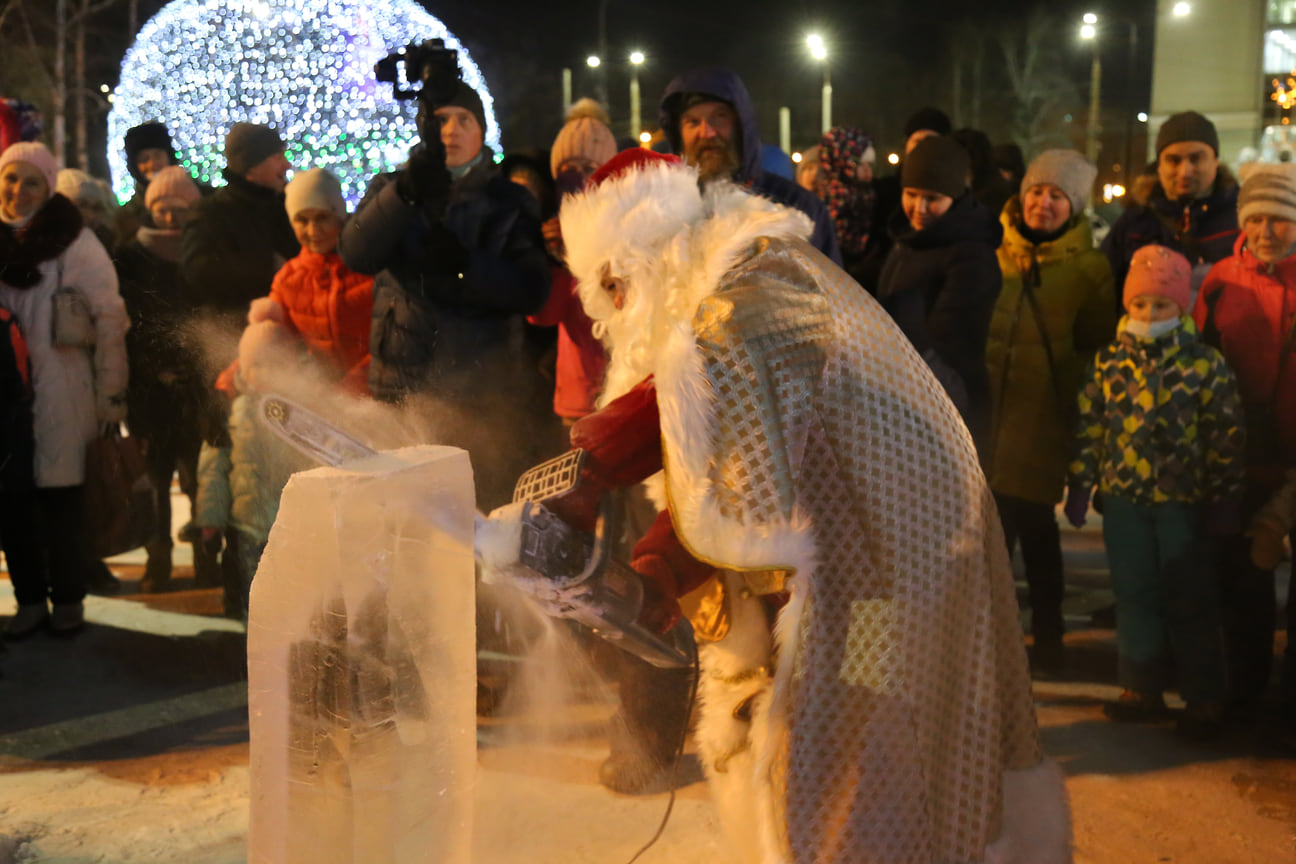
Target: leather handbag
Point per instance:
(120, 501)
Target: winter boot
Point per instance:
(206, 563)
(67, 618)
(1201, 721)
(1136, 706)
(29, 618)
(157, 572)
(648, 731)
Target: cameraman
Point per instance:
(458, 257)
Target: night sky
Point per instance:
(887, 58)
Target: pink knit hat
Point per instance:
(35, 154)
(171, 182)
(1161, 272)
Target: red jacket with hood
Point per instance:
(1247, 309)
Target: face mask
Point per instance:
(1151, 329)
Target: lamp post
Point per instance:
(636, 60)
(1089, 32)
(819, 51)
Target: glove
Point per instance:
(1223, 518)
(1077, 505)
(660, 612)
(110, 409)
(1267, 550)
(424, 177)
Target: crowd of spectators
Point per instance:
(1146, 378)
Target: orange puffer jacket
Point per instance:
(330, 306)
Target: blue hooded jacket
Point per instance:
(726, 86)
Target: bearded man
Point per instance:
(864, 687)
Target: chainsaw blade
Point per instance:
(310, 433)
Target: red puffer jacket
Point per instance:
(1247, 309)
(330, 306)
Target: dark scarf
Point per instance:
(48, 235)
(160, 242)
(849, 201)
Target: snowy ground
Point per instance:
(129, 744)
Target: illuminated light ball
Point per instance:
(304, 67)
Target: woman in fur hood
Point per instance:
(864, 689)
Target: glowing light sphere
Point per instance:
(304, 67)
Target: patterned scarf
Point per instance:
(849, 201)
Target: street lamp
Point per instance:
(593, 61)
(636, 60)
(1092, 25)
(819, 51)
(1089, 31)
(1181, 9)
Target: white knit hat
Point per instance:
(35, 154)
(315, 189)
(1268, 190)
(586, 135)
(1065, 169)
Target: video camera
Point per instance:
(430, 64)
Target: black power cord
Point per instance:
(679, 752)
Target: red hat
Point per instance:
(628, 160)
(1162, 272)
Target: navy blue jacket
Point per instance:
(436, 331)
(1211, 231)
(728, 87)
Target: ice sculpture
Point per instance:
(361, 666)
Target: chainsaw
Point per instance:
(571, 573)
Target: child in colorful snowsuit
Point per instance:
(239, 485)
(1159, 436)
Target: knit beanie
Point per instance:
(1161, 272)
(585, 136)
(1187, 126)
(928, 118)
(248, 145)
(315, 189)
(73, 183)
(36, 155)
(1065, 169)
(937, 164)
(467, 98)
(1268, 190)
(171, 182)
(147, 136)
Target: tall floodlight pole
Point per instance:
(819, 51)
(636, 60)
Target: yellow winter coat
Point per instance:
(1032, 431)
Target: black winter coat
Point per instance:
(940, 286)
(235, 241)
(447, 330)
(166, 383)
(1203, 229)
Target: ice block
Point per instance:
(362, 666)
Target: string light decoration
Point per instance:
(304, 67)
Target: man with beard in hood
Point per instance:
(710, 120)
(816, 479)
